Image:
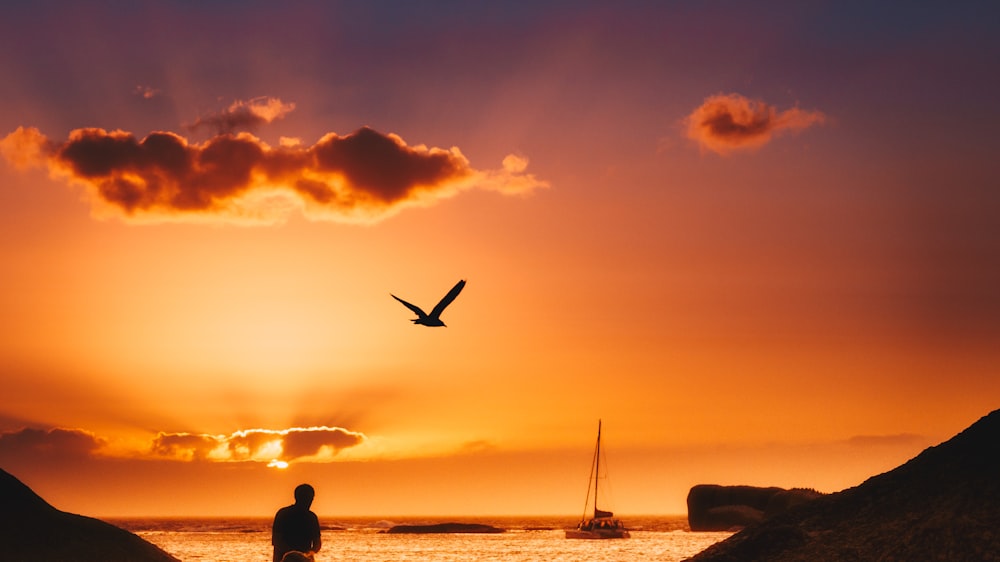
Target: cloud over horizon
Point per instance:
(54, 442)
(363, 177)
(898, 439)
(297, 444)
(262, 445)
(728, 122)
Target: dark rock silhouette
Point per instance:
(31, 529)
(445, 528)
(944, 504)
(721, 508)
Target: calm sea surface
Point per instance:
(539, 539)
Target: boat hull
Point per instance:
(603, 528)
(603, 534)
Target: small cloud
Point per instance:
(146, 92)
(728, 122)
(188, 446)
(57, 442)
(310, 442)
(478, 446)
(362, 177)
(515, 164)
(26, 148)
(243, 116)
(900, 439)
(259, 445)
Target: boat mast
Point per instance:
(597, 466)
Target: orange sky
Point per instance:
(766, 257)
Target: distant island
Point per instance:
(944, 504)
(445, 528)
(31, 529)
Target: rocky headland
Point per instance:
(31, 529)
(725, 508)
(944, 504)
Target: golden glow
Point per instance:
(806, 312)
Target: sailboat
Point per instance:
(603, 524)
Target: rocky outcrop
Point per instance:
(722, 508)
(944, 504)
(446, 528)
(31, 529)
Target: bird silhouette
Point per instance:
(434, 318)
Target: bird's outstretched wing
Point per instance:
(416, 309)
(443, 303)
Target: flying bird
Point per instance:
(434, 318)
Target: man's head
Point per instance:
(304, 495)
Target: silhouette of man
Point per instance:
(295, 526)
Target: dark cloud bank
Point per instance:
(235, 177)
(259, 445)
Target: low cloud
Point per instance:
(728, 122)
(262, 445)
(58, 442)
(243, 116)
(298, 444)
(362, 177)
(189, 446)
(900, 439)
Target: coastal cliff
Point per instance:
(944, 504)
(31, 529)
(722, 508)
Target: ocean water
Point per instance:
(538, 539)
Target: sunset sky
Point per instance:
(761, 242)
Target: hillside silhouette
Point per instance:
(944, 504)
(31, 529)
